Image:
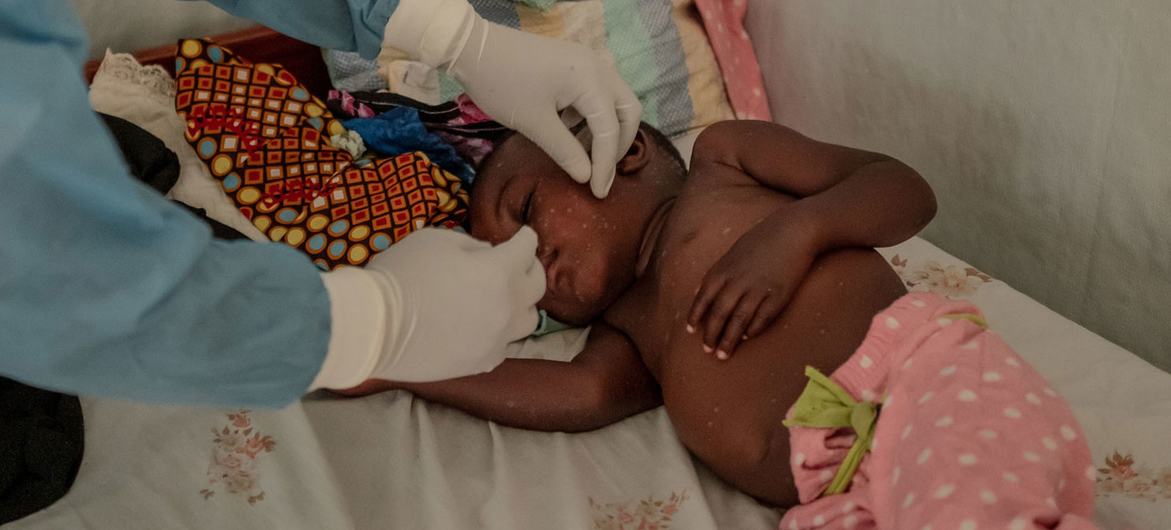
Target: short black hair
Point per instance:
(656, 136)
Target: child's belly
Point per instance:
(729, 413)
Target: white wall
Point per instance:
(1043, 125)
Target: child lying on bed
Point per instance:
(762, 257)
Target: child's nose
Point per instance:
(547, 254)
(553, 273)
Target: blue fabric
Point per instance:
(400, 131)
(108, 289)
(348, 25)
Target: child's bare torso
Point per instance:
(729, 412)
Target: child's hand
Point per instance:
(747, 288)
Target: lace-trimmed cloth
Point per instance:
(124, 68)
(145, 96)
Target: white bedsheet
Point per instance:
(386, 461)
(393, 461)
(1123, 402)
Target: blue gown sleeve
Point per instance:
(108, 289)
(347, 25)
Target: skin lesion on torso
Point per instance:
(704, 223)
(729, 413)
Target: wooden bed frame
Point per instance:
(257, 44)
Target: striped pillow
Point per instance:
(658, 46)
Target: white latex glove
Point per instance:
(436, 305)
(523, 80)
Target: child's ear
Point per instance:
(637, 156)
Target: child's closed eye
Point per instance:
(526, 209)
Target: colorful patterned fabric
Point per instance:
(460, 123)
(266, 139)
(400, 131)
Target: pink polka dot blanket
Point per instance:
(968, 436)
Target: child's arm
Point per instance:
(604, 383)
(847, 198)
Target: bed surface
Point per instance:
(393, 461)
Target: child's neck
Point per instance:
(650, 237)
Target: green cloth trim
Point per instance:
(825, 405)
(539, 4)
(970, 317)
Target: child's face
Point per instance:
(588, 246)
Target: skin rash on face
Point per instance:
(588, 246)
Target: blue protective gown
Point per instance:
(108, 289)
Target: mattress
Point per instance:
(395, 461)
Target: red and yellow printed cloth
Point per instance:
(266, 139)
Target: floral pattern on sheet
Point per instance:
(235, 465)
(649, 513)
(1120, 476)
(951, 281)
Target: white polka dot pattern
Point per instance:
(977, 434)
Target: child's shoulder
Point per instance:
(713, 141)
(715, 155)
(725, 141)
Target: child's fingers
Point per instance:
(770, 308)
(734, 329)
(721, 309)
(712, 283)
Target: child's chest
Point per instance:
(701, 227)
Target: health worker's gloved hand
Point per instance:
(523, 80)
(436, 305)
